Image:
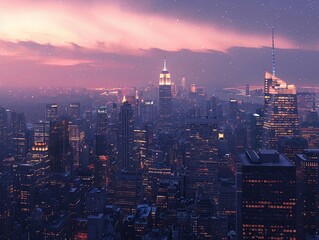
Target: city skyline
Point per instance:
(107, 44)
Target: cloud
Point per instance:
(111, 27)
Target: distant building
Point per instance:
(291, 146)
(75, 111)
(306, 104)
(125, 137)
(165, 99)
(233, 108)
(51, 112)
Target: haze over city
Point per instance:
(159, 120)
(123, 43)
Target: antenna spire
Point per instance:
(165, 67)
(273, 52)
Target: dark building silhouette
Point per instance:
(291, 146)
(59, 146)
(309, 166)
(125, 136)
(266, 196)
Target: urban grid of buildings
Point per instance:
(176, 164)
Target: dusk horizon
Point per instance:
(107, 44)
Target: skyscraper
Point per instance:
(309, 191)
(125, 138)
(59, 146)
(74, 111)
(165, 99)
(201, 157)
(280, 111)
(233, 108)
(3, 133)
(266, 195)
(51, 112)
(41, 132)
(101, 131)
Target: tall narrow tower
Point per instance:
(125, 137)
(165, 99)
(280, 107)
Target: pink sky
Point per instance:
(72, 33)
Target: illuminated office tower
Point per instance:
(51, 112)
(26, 179)
(75, 111)
(201, 157)
(309, 163)
(101, 131)
(280, 111)
(165, 99)
(125, 137)
(128, 190)
(102, 121)
(41, 132)
(266, 196)
(75, 141)
(40, 159)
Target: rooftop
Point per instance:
(265, 157)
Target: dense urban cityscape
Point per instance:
(219, 143)
(162, 162)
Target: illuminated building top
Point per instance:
(165, 76)
(278, 86)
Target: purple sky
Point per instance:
(123, 43)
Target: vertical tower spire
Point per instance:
(165, 67)
(273, 52)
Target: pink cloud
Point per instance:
(118, 29)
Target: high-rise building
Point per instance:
(75, 142)
(51, 112)
(266, 196)
(165, 99)
(41, 132)
(201, 157)
(309, 166)
(233, 108)
(101, 131)
(306, 104)
(280, 111)
(74, 111)
(125, 136)
(102, 121)
(40, 159)
(291, 146)
(3, 133)
(19, 135)
(256, 129)
(59, 146)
